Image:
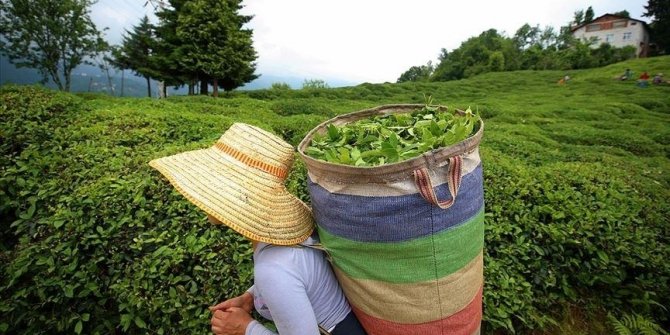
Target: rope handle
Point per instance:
(425, 185)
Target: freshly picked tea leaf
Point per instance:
(392, 138)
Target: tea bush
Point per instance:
(94, 241)
(98, 240)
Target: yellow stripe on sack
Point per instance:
(416, 302)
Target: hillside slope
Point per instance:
(577, 193)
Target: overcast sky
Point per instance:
(369, 40)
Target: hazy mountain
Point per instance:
(88, 78)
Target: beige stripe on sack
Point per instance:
(417, 302)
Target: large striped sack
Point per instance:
(405, 239)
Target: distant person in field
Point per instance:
(658, 79)
(626, 75)
(644, 79)
(239, 182)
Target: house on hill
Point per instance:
(618, 31)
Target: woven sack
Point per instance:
(406, 239)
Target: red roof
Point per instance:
(606, 18)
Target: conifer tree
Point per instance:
(136, 51)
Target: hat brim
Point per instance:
(248, 200)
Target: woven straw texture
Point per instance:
(406, 264)
(240, 182)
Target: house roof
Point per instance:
(608, 17)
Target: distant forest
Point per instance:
(534, 48)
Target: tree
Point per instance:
(214, 43)
(168, 54)
(527, 36)
(52, 36)
(280, 86)
(589, 15)
(496, 61)
(417, 73)
(135, 52)
(578, 17)
(314, 84)
(660, 25)
(623, 13)
(474, 56)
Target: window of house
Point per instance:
(619, 24)
(627, 36)
(609, 38)
(593, 27)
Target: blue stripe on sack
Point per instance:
(395, 218)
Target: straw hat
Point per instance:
(240, 182)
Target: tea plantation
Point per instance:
(577, 191)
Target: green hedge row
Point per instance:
(93, 241)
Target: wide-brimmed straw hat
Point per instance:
(240, 182)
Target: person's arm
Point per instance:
(244, 301)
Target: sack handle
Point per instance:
(425, 185)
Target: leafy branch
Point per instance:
(392, 138)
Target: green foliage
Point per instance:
(660, 25)
(417, 73)
(623, 13)
(392, 138)
(575, 179)
(52, 36)
(135, 52)
(314, 84)
(635, 324)
(490, 51)
(589, 15)
(300, 106)
(96, 239)
(214, 43)
(531, 48)
(280, 86)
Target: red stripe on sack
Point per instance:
(249, 161)
(458, 173)
(465, 322)
(454, 174)
(422, 184)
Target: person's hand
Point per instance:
(244, 301)
(233, 321)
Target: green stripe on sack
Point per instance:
(421, 259)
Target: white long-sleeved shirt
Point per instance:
(296, 288)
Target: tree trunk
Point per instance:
(161, 89)
(148, 86)
(56, 79)
(109, 82)
(67, 74)
(215, 89)
(203, 87)
(191, 88)
(123, 72)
